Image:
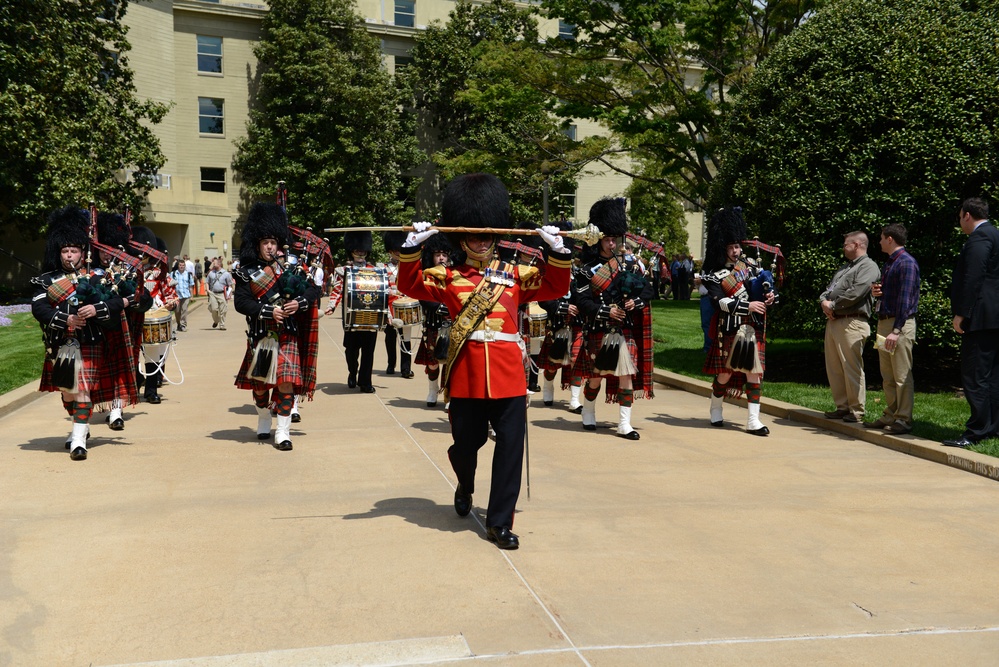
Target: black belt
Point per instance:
(886, 317)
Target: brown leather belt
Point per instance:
(886, 317)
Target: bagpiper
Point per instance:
(283, 333)
(436, 319)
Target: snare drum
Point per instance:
(157, 327)
(534, 326)
(365, 303)
(408, 310)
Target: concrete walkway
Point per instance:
(182, 540)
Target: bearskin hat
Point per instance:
(144, 235)
(265, 221)
(726, 226)
(394, 240)
(608, 215)
(476, 200)
(354, 241)
(67, 227)
(436, 243)
(111, 229)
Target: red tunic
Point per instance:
(485, 369)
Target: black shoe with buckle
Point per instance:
(462, 502)
(283, 446)
(502, 537)
(116, 425)
(631, 435)
(78, 454)
(296, 418)
(763, 430)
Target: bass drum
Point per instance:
(157, 327)
(365, 302)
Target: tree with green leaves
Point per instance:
(326, 118)
(660, 75)
(874, 112)
(71, 128)
(467, 81)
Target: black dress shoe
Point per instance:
(548, 404)
(78, 454)
(589, 427)
(296, 418)
(534, 388)
(368, 390)
(117, 425)
(389, 371)
(718, 424)
(154, 399)
(502, 537)
(462, 502)
(408, 375)
(962, 442)
(351, 382)
(578, 410)
(633, 435)
(283, 446)
(763, 430)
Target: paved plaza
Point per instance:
(184, 541)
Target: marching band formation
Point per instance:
(490, 317)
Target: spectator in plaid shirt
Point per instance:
(899, 294)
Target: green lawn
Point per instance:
(21, 352)
(679, 345)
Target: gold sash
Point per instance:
(479, 304)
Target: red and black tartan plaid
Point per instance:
(308, 347)
(640, 347)
(289, 367)
(93, 359)
(117, 374)
(720, 349)
(425, 355)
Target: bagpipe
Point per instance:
(762, 281)
(616, 282)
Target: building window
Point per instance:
(405, 13)
(213, 179)
(570, 132)
(210, 115)
(402, 62)
(566, 205)
(565, 30)
(209, 55)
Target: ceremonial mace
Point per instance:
(589, 234)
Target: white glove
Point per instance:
(550, 233)
(421, 232)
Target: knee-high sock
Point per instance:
(82, 412)
(753, 392)
(625, 397)
(262, 400)
(284, 403)
(433, 373)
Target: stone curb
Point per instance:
(973, 462)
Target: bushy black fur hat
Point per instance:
(67, 227)
(726, 226)
(475, 200)
(608, 214)
(436, 243)
(265, 221)
(111, 229)
(353, 241)
(394, 240)
(144, 235)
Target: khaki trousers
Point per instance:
(217, 306)
(844, 347)
(896, 373)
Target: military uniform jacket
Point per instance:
(595, 308)
(54, 317)
(485, 369)
(259, 312)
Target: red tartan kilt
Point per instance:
(583, 367)
(289, 366)
(425, 355)
(718, 354)
(93, 359)
(575, 343)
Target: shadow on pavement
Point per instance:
(421, 512)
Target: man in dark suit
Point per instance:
(976, 318)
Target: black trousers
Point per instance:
(360, 344)
(980, 377)
(391, 336)
(470, 420)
